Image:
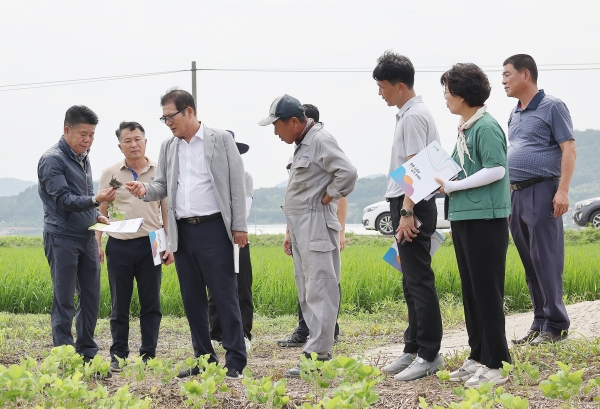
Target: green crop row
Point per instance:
(367, 281)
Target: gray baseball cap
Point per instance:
(284, 106)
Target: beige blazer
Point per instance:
(226, 171)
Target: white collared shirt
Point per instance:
(195, 192)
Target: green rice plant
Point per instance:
(367, 282)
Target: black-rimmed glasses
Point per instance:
(166, 118)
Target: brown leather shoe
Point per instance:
(547, 337)
(530, 336)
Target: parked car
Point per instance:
(377, 216)
(587, 211)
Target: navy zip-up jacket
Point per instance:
(66, 190)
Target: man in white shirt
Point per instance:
(415, 129)
(201, 171)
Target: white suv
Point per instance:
(377, 216)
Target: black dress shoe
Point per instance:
(530, 336)
(547, 337)
(189, 372)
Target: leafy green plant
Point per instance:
(200, 394)
(564, 384)
(523, 373)
(483, 397)
(264, 392)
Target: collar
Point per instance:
(151, 164)
(199, 134)
(407, 105)
(534, 102)
(311, 134)
(67, 149)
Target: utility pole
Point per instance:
(194, 81)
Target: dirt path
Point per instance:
(584, 316)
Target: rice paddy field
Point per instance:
(368, 283)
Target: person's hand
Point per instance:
(136, 188)
(287, 245)
(167, 257)
(560, 203)
(106, 196)
(326, 199)
(407, 229)
(240, 238)
(342, 240)
(441, 182)
(102, 219)
(100, 253)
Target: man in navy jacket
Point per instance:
(70, 208)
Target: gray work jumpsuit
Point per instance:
(318, 166)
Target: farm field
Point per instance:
(373, 315)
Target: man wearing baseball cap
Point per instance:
(320, 174)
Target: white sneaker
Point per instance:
(248, 345)
(466, 371)
(420, 368)
(400, 364)
(485, 375)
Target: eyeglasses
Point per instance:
(166, 118)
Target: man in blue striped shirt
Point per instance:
(541, 161)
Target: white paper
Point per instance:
(236, 258)
(124, 226)
(158, 242)
(416, 176)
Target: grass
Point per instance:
(367, 281)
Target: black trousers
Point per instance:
(302, 328)
(424, 332)
(75, 269)
(244, 287)
(204, 259)
(128, 260)
(480, 247)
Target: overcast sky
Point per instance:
(52, 41)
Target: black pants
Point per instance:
(204, 259)
(480, 247)
(302, 328)
(128, 260)
(75, 269)
(424, 332)
(244, 287)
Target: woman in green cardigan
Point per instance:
(478, 205)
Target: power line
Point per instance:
(48, 84)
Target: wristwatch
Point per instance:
(94, 202)
(406, 212)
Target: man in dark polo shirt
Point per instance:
(541, 161)
(129, 255)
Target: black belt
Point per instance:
(531, 182)
(200, 219)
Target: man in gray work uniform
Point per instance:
(320, 175)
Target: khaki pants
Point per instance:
(315, 235)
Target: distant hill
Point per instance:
(12, 186)
(25, 209)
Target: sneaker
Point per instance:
(466, 371)
(294, 341)
(295, 371)
(233, 374)
(530, 336)
(195, 371)
(485, 375)
(547, 337)
(399, 365)
(114, 365)
(248, 345)
(420, 368)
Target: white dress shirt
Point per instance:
(195, 193)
